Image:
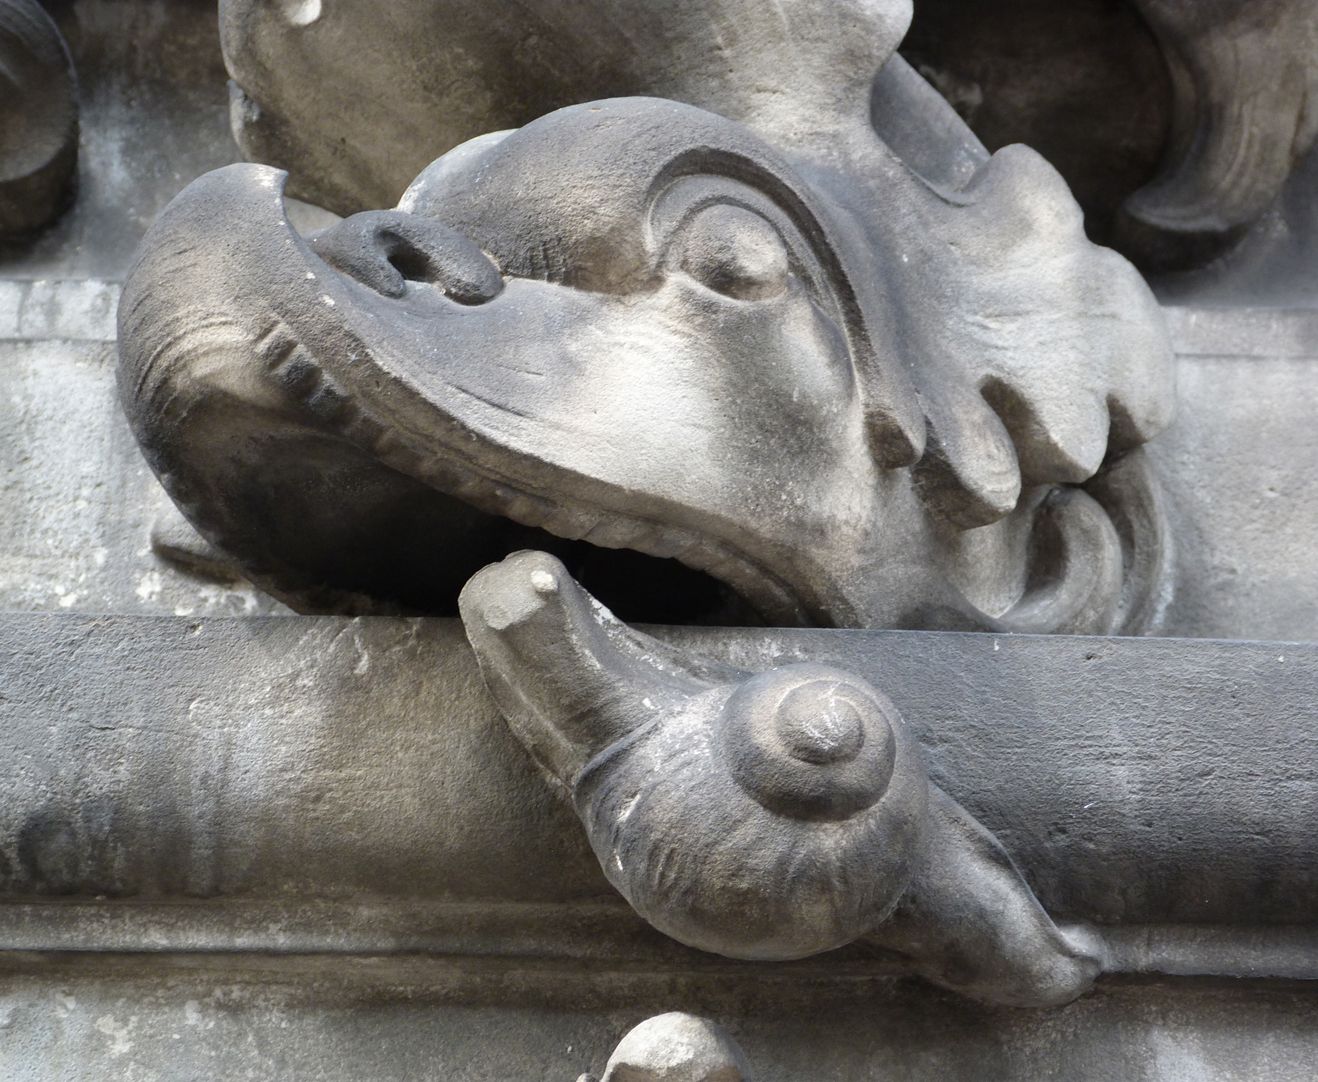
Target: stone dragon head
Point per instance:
(822, 349)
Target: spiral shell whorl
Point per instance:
(810, 741)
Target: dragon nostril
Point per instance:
(384, 250)
(410, 263)
(454, 265)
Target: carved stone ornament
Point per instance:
(763, 816)
(676, 1047)
(852, 391)
(38, 118)
(853, 399)
(534, 531)
(1245, 111)
(1181, 125)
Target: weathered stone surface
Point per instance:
(314, 804)
(361, 1019)
(1146, 782)
(80, 507)
(152, 117)
(1238, 469)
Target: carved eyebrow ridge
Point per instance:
(894, 419)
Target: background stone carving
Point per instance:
(38, 118)
(1245, 111)
(1179, 124)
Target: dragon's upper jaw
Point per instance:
(297, 394)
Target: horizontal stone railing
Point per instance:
(322, 784)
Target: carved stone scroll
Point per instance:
(1245, 97)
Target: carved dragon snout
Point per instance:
(763, 815)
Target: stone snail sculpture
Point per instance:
(761, 816)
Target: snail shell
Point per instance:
(770, 819)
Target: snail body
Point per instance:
(762, 816)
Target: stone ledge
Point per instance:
(607, 936)
(1137, 782)
(1265, 333)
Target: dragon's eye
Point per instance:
(735, 252)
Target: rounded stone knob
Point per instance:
(810, 741)
(676, 1048)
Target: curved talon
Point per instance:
(765, 816)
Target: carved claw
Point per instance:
(757, 815)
